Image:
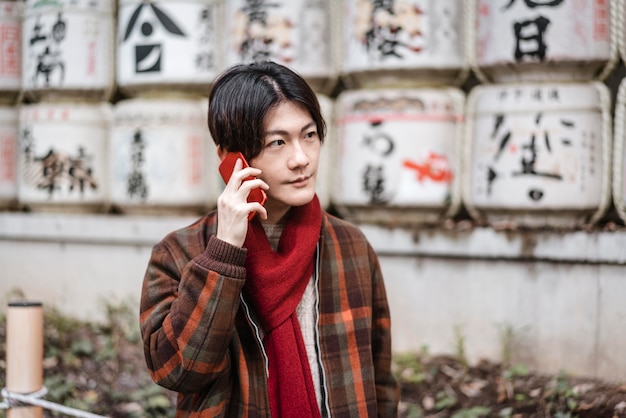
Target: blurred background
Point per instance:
(479, 145)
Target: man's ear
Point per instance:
(221, 152)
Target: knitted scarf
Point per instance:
(274, 286)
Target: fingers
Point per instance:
(240, 191)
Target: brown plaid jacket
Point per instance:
(200, 340)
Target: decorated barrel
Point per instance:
(62, 156)
(162, 156)
(619, 152)
(538, 155)
(68, 50)
(557, 40)
(169, 44)
(11, 15)
(8, 156)
(398, 154)
(403, 42)
(295, 33)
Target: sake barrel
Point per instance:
(529, 40)
(295, 33)
(619, 152)
(398, 154)
(538, 154)
(68, 50)
(404, 42)
(11, 14)
(8, 156)
(161, 156)
(62, 156)
(168, 45)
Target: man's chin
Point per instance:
(301, 198)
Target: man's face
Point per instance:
(289, 158)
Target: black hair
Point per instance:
(243, 94)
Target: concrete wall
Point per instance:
(560, 295)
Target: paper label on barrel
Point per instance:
(522, 31)
(159, 155)
(403, 34)
(537, 155)
(68, 50)
(294, 33)
(167, 42)
(61, 160)
(397, 149)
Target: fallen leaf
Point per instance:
(428, 402)
(473, 388)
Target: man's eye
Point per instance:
(275, 143)
(311, 134)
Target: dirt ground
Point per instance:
(442, 386)
(100, 369)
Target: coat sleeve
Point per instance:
(387, 390)
(187, 312)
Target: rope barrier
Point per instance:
(18, 399)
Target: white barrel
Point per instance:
(538, 154)
(326, 169)
(529, 40)
(405, 42)
(619, 152)
(295, 33)
(8, 156)
(161, 156)
(68, 49)
(62, 156)
(168, 44)
(398, 155)
(11, 15)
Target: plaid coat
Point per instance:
(200, 340)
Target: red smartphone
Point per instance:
(226, 170)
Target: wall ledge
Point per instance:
(596, 247)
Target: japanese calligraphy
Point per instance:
(543, 152)
(389, 28)
(530, 34)
(260, 35)
(531, 4)
(204, 59)
(136, 185)
(373, 177)
(46, 46)
(54, 171)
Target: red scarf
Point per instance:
(274, 285)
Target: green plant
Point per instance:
(408, 368)
(561, 396)
(515, 370)
(459, 345)
(509, 337)
(445, 399)
(413, 411)
(474, 412)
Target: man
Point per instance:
(281, 314)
